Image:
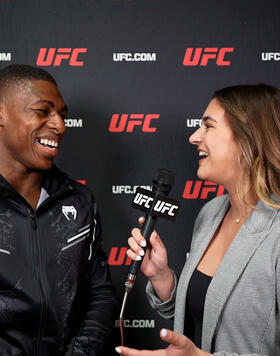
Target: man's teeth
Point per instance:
(46, 142)
(202, 154)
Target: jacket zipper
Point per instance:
(37, 268)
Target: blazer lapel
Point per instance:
(238, 255)
(202, 239)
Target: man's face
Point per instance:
(32, 125)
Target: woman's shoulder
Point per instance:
(212, 210)
(218, 205)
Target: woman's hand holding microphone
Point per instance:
(155, 261)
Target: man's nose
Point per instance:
(56, 123)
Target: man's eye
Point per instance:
(43, 111)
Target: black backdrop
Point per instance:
(97, 84)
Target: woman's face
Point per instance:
(218, 151)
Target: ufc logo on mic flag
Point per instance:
(155, 204)
(127, 123)
(53, 56)
(201, 56)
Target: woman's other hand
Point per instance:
(180, 345)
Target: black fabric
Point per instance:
(197, 289)
(56, 295)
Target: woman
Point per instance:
(231, 280)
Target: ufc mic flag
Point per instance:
(156, 205)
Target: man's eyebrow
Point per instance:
(205, 118)
(43, 101)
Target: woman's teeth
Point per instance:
(202, 154)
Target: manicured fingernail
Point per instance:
(141, 253)
(118, 350)
(143, 243)
(138, 258)
(163, 332)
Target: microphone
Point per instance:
(156, 205)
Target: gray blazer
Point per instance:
(241, 312)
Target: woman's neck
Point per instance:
(239, 210)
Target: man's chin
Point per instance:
(42, 167)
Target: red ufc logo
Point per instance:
(53, 56)
(117, 257)
(127, 123)
(200, 190)
(200, 56)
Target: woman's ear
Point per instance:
(2, 115)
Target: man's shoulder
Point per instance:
(80, 187)
(58, 179)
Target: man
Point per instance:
(56, 296)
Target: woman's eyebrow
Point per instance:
(205, 118)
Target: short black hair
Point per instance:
(16, 73)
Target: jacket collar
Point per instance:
(54, 181)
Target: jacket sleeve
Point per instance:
(96, 303)
(165, 309)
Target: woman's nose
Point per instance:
(196, 137)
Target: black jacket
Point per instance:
(56, 296)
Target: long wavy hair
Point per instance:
(253, 113)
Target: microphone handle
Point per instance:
(147, 230)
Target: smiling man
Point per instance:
(56, 296)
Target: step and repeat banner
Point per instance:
(137, 76)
